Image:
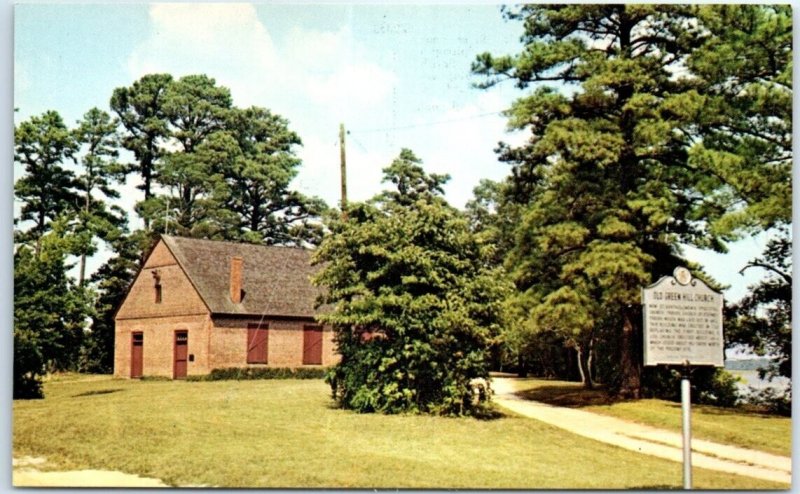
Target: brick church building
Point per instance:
(197, 305)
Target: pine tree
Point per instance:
(97, 135)
(744, 72)
(603, 180)
(259, 182)
(42, 144)
(228, 172)
(632, 154)
(140, 109)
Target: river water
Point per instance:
(750, 381)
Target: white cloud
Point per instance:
(315, 78)
(230, 43)
(362, 85)
(319, 50)
(205, 20)
(335, 71)
(225, 41)
(465, 146)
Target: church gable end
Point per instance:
(161, 289)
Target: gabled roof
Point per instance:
(275, 280)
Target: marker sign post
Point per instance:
(683, 326)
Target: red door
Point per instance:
(181, 353)
(312, 345)
(137, 347)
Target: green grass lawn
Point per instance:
(734, 426)
(284, 433)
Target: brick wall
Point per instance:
(285, 347)
(215, 344)
(180, 308)
(158, 347)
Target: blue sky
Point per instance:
(396, 75)
(371, 67)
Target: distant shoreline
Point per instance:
(747, 364)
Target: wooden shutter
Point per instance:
(312, 345)
(257, 342)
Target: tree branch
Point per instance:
(757, 264)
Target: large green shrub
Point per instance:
(414, 306)
(710, 385)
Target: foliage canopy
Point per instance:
(645, 134)
(413, 305)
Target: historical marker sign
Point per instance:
(682, 322)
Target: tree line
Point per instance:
(674, 129)
(205, 169)
(649, 127)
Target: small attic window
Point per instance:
(157, 286)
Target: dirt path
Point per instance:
(26, 473)
(647, 440)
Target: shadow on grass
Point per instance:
(576, 396)
(484, 413)
(490, 414)
(571, 396)
(656, 487)
(98, 392)
(737, 411)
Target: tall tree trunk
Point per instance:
(82, 272)
(630, 361)
(580, 363)
(584, 360)
(187, 209)
(147, 165)
(255, 217)
(521, 369)
(87, 206)
(37, 249)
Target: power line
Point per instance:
(357, 141)
(427, 124)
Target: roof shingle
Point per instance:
(275, 280)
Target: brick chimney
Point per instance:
(237, 263)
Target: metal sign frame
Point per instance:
(682, 322)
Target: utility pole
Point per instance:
(343, 169)
(166, 218)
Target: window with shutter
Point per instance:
(257, 343)
(312, 345)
